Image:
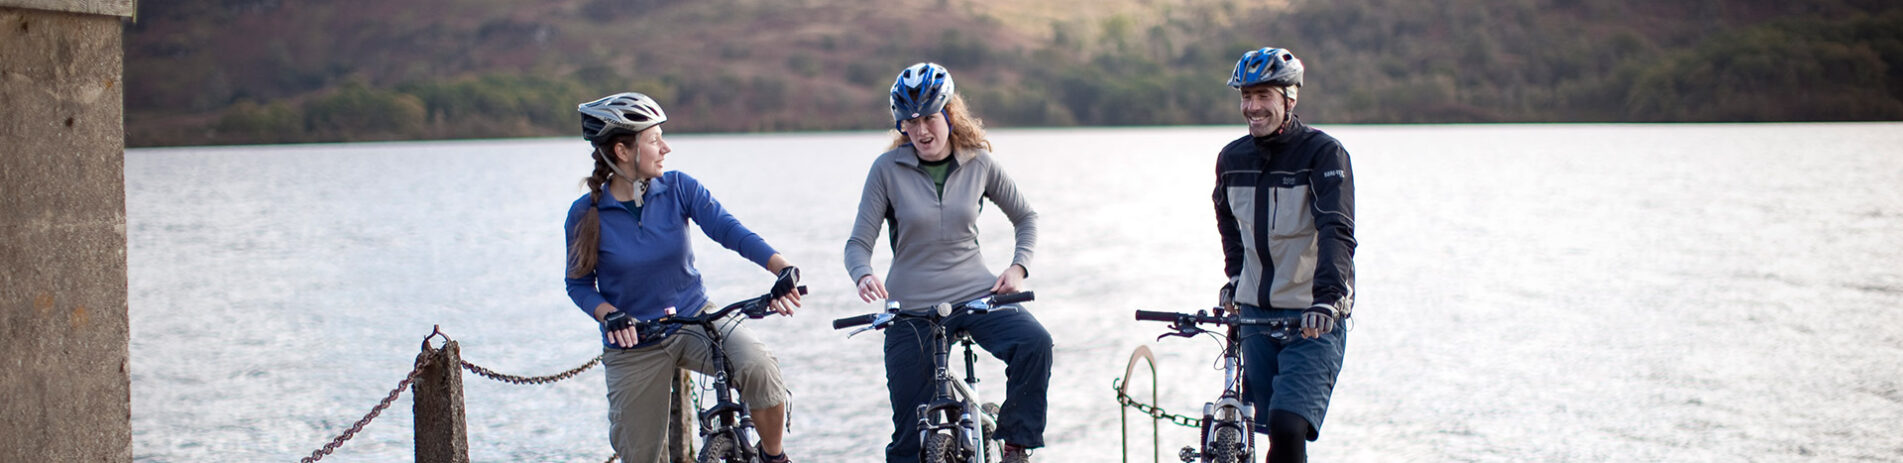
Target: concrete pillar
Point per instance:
(441, 434)
(65, 393)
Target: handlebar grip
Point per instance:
(1145, 315)
(848, 322)
(1013, 298)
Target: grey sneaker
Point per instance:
(1016, 454)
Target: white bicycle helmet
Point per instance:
(618, 114)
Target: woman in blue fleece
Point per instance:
(630, 260)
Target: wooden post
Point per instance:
(441, 436)
(680, 425)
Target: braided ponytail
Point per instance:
(586, 239)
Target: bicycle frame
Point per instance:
(733, 416)
(726, 416)
(955, 405)
(954, 401)
(1230, 410)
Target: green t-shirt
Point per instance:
(939, 171)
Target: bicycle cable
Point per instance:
(1223, 344)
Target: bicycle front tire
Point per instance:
(1227, 446)
(717, 449)
(941, 448)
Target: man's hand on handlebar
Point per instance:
(1226, 298)
(1317, 321)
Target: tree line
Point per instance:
(1369, 61)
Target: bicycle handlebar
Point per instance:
(752, 308)
(1190, 319)
(1150, 316)
(853, 321)
(1013, 298)
(995, 300)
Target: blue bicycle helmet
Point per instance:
(921, 89)
(617, 114)
(1267, 65)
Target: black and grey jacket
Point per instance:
(1285, 205)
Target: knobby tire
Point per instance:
(941, 448)
(1228, 446)
(716, 448)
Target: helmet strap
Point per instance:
(640, 184)
(1288, 111)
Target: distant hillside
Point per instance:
(270, 71)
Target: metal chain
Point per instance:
(1152, 410)
(513, 379)
(421, 361)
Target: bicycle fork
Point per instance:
(1229, 411)
(954, 407)
(727, 416)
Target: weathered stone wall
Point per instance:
(65, 394)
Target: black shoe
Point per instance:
(764, 458)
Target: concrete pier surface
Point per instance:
(63, 328)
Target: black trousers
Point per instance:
(1014, 337)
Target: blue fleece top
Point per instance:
(646, 262)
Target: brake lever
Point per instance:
(757, 309)
(877, 322)
(1180, 332)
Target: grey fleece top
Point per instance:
(935, 255)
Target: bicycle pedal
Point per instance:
(1189, 454)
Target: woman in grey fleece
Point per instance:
(928, 188)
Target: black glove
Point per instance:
(789, 279)
(1320, 319)
(1227, 295)
(617, 321)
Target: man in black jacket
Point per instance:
(1285, 205)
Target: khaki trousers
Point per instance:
(639, 383)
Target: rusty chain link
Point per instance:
(421, 361)
(513, 379)
(1152, 410)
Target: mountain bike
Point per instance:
(726, 427)
(1226, 423)
(953, 426)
